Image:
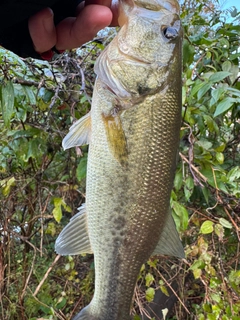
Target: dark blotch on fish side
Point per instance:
(119, 223)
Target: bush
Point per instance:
(41, 185)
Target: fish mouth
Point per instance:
(126, 6)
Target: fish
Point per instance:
(133, 132)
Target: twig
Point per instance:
(26, 82)
(46, 275)
(175, 293)
(42, 210)
(193, 168)
(45, 305)
(75, 307)
(53, 100)
(142, 310)
(233, 222)
(195, 66)
(30, 272)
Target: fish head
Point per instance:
(151, 30)
(145, 56)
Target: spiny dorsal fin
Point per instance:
(74, 238)
(79, 133)
(169, 242)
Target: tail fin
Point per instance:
(84, 314)
(89, 313)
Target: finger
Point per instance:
(115, 12)
(42, 30)
(73, 32)
(106, 3)
(113, 5)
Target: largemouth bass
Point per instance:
(133, 135)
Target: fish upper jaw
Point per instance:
(154, 5)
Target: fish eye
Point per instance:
(170, 33)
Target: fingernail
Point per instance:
(47, 55)
(59, 51)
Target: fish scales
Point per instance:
(133, 143)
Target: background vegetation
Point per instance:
(41, 185)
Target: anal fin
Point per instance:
(169, 242)
(74, 238)
(79, 133)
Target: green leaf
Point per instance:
(57, 201)
(57, 213)
(150, 293)
(204, 144)
(82, 168)
(220, 148)
(225, 223)
(184, 95)
(7, 102)
(233, 174)
(215, 180)
(66, 207)
(197, 264)
(136, 317)
(15, 134)
(226, 66)
(206, 193)
(219, 230)
(197, 87)
(6, 185)
(203, 90)
(30, 94)
(188, 52)
(181, 217)
(164, 290)
(217, 93)
(210, 122)
(178, 180)
(219, 76)
(206, 227)
(220, 157)
(51, 229)
(234, 91)
(197, 273)
(61, 303)
(224, 106)
(234, 73)
(216, 297)
(34, 148)
(188, 187)
(149, 279)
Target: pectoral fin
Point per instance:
(169, 243)
(74, 237)
(79, 133)
(116, 138)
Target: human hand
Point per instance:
(72, 32)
